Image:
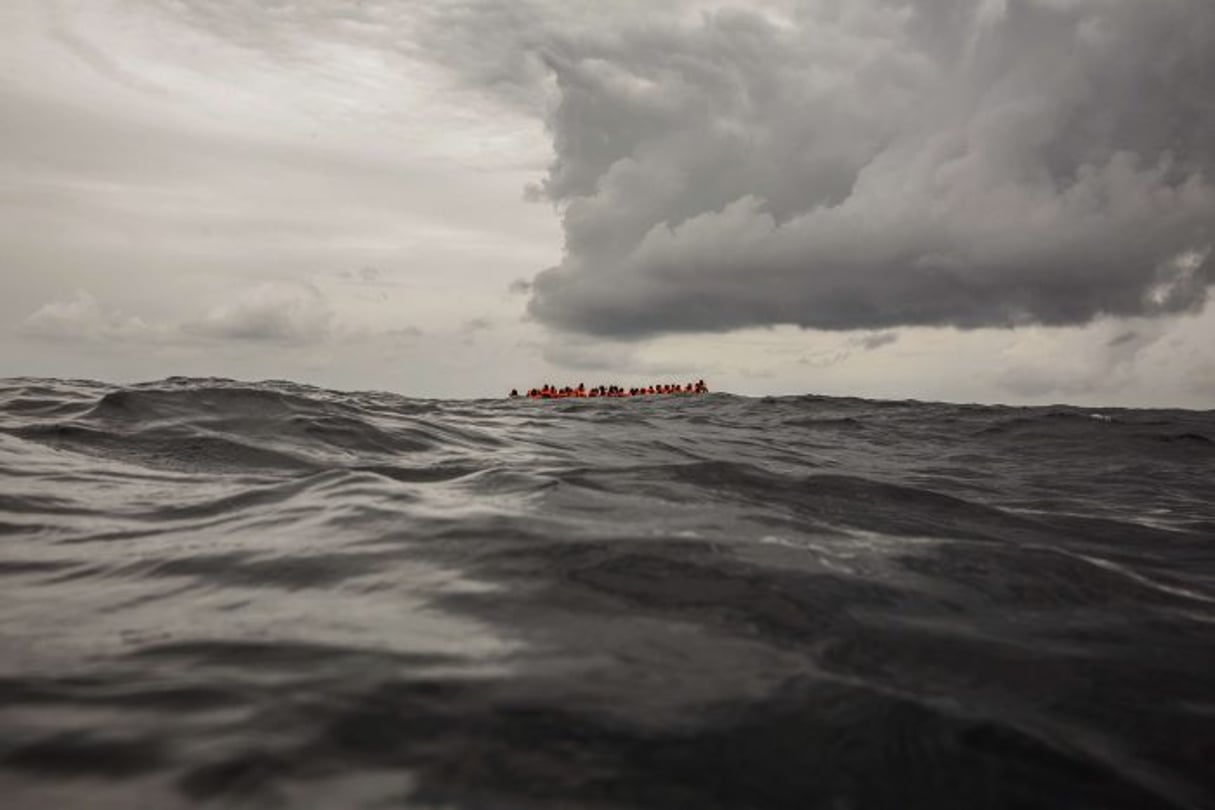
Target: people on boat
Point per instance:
(550, 391)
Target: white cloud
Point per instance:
(271, 311)
(81, 317)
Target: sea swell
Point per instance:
(267, 593)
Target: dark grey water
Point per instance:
(235, 594)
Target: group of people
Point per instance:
(580, 390)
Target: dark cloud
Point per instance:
(876, 340)
(877, 164)
(405, 333)
(479, 324)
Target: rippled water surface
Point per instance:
(231, 594)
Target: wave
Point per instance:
(269, 593)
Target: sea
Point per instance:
(217, 593)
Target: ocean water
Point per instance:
(227, 594)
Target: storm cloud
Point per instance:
(867, 165)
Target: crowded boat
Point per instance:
(580, 390)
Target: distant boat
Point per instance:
(580, 391)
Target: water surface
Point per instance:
(218, 593)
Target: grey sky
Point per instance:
(924, 198)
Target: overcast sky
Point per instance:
(975, 200)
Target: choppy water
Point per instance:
(267, 594)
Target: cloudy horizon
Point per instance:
(999, 201)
